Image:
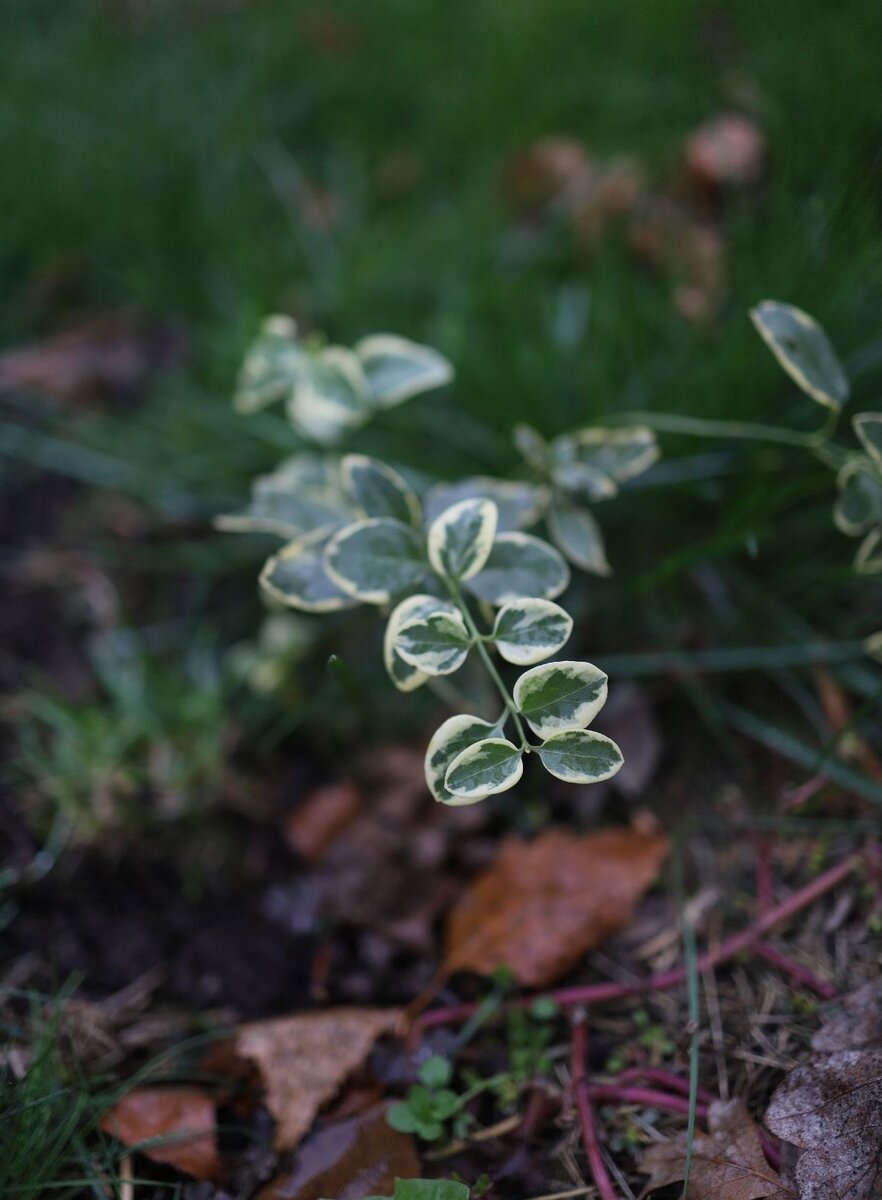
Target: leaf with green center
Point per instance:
(533, 447)
(296, 577)
(559, 696)
(450, 739)
(868, 427)
(584, 481)
(859, 504)
(397, 369)
(484, 769)
(528, 631)
(430, 1189)
(436, 644)
(273, 366)
(376, 559)
(868, 559)
(803, 350)
(518, 505)
(575, 532)
(403, 674)
(616, 454)
(330, 396)
(580, 756)
(520, 565)
(461, 538)
(299, 497)
(379, 491)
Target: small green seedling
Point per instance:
(430, 1104)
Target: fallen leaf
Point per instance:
(185, 1116)
(305, 1059)
(542, 904)
(831, 1105)
(726, 151)
(348, 1160)
(315, 824)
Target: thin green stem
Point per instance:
(745, 430)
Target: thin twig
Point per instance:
(799, 974)
(578, 1058)
(611, 1093)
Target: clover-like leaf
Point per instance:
(296, 577)
(519, 565)
(273, 365)
(575, 532)
(868, 559)
(450, 739)
(377, 490)
(484, 769)
(580, 756)
(330, 396)
(804, 351)
(868, 427)
(376, 559)
(460, 539)
(518, 504)
(859, 503)
(397, 369)
(404, 675)
(529, 630)
(436, 644)
(559, 696)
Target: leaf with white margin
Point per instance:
(581, 756)
(560, 695)
(296, 577)
(520, 565)
(868, 427)
(859, 503)
(377, 490)
(529, 630)
(584, 481)
(868, 559)
(376, 559)
(330, 398)
(405, 676)
(437, 644)
(518, 505)
(804, 351)
(397, 369)
(461, 538)
(873, 646)
(484, 769)
(450, 739)
(533, 447)
(618, 454)
(297, 498)
(575, 532)
(273, 364)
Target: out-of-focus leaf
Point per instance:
(375, 560)
(520, 565)
(178, 1124)
(576, 534)
(297, 577)
(518, 505)
(379, 491)
(397, 369)
(803, 350)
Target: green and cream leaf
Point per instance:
(461, 538)
(436, 644)
(868, 427)
(533, 447)
(859, 503)
(576, 533)
(273, 365)
(559, 696)
(450, 739)
(397, 369)
(804, 351)
(296, 577)
(484, 769)
(580, 756)
(519, 505)
(330, 397)
(376, 559)
(403, 674)
(616, 454)
(868, 560)
(520, 565)
(528, 631)
(377, 490)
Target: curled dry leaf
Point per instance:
(542, 904)
(727, 1162)
(184, 1117)
(831, 1105)
(362, 1156)
(305, 1059)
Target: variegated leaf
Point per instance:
(397, 369)
(580, 756)
(461, 538)
(403, 674)
(560, 695)
(575, 532)
(455, 735)
(615, 454)
(436, 644)
(484, 769)
(583, 481)
(331, 396)
(868, 559)
(273, 365)
(376, 559)
(803, 350)
(296, 577)
(297, 498)
(529, 630)
(379, 491)
(518, 505)
(533, 447)
(520, 565)
(868, 427)
(859, 503)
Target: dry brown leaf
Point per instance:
(727, 150)
(349, 1159)
(727, 1163)
(831, 1105)
(321, 818)
(305, 1059)
(186, 1116)
(542, 904)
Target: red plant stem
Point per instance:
(729, 948)
(579, 1082)
(665, 1079)
(799, 974)
(765, 894)
(613, 1094)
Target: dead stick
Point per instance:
(578, 1058)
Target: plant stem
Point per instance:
(611, 1093)
(478, 640)
(578, 1057)
(744, 430)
